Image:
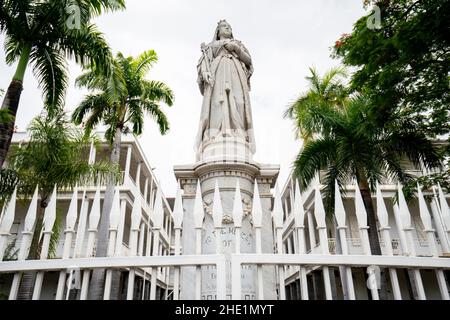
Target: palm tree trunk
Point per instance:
(96, 286)
(373, 232)
(11, 103)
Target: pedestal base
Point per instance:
(226, 173)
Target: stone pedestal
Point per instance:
(225, 148)
(226, 173)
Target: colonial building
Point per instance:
(137, 182)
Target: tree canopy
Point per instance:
(404, 65)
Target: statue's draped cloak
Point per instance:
(226, 105)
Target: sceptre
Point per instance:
(205, 57)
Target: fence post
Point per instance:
(319, 213)
(71, 219)
(6, 222)
(113, 227)
(177, 222)
(361, 216)
(94, 218)
(199, 214)
(158, 220)
(257, 224)
(27, 236)
(277, 215)
(340, 214)
(405, 218)
(136, 215)
(48, 222)
(428, 228)
(383, 218)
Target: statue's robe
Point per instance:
(226, 105)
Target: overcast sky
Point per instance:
(284, 38)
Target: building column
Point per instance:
(127, 165)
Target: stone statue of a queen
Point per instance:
(224, 72)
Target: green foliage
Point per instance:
(323, 92)
(121, 98)
(347, 142)
(427, 182)
(54, 155)
(404, 66)
(8, 181)
(53, 31)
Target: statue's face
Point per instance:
(225, 30)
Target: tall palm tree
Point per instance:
(52, 157)
(345, 141)
(43, 34)
(325, 91)
(120, 101)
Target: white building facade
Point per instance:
(186, 249)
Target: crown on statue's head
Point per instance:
(220, 21)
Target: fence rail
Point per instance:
(219, 261)
(148, 243)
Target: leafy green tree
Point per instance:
(44, 34)
(403, 67)
(325, 91)
(119, 101)
(346, 143)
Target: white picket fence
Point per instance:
(166, 268)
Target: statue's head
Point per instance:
(223, 31)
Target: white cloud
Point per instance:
(284, 39)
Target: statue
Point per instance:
(224, 72)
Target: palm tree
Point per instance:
(52, 157)
(345, 142)
(43, 34)
(119, 101)
(324, 92)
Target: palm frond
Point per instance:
(157, 91)
(315, 156)
(91, 80)
(136, 117)
(128, 96)
(98, 6)
(53, 156)
(50, 69)
(142, 63)
(8, 181)
(13, 49)
(155, 112)
(92, 108)
(88, 47)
